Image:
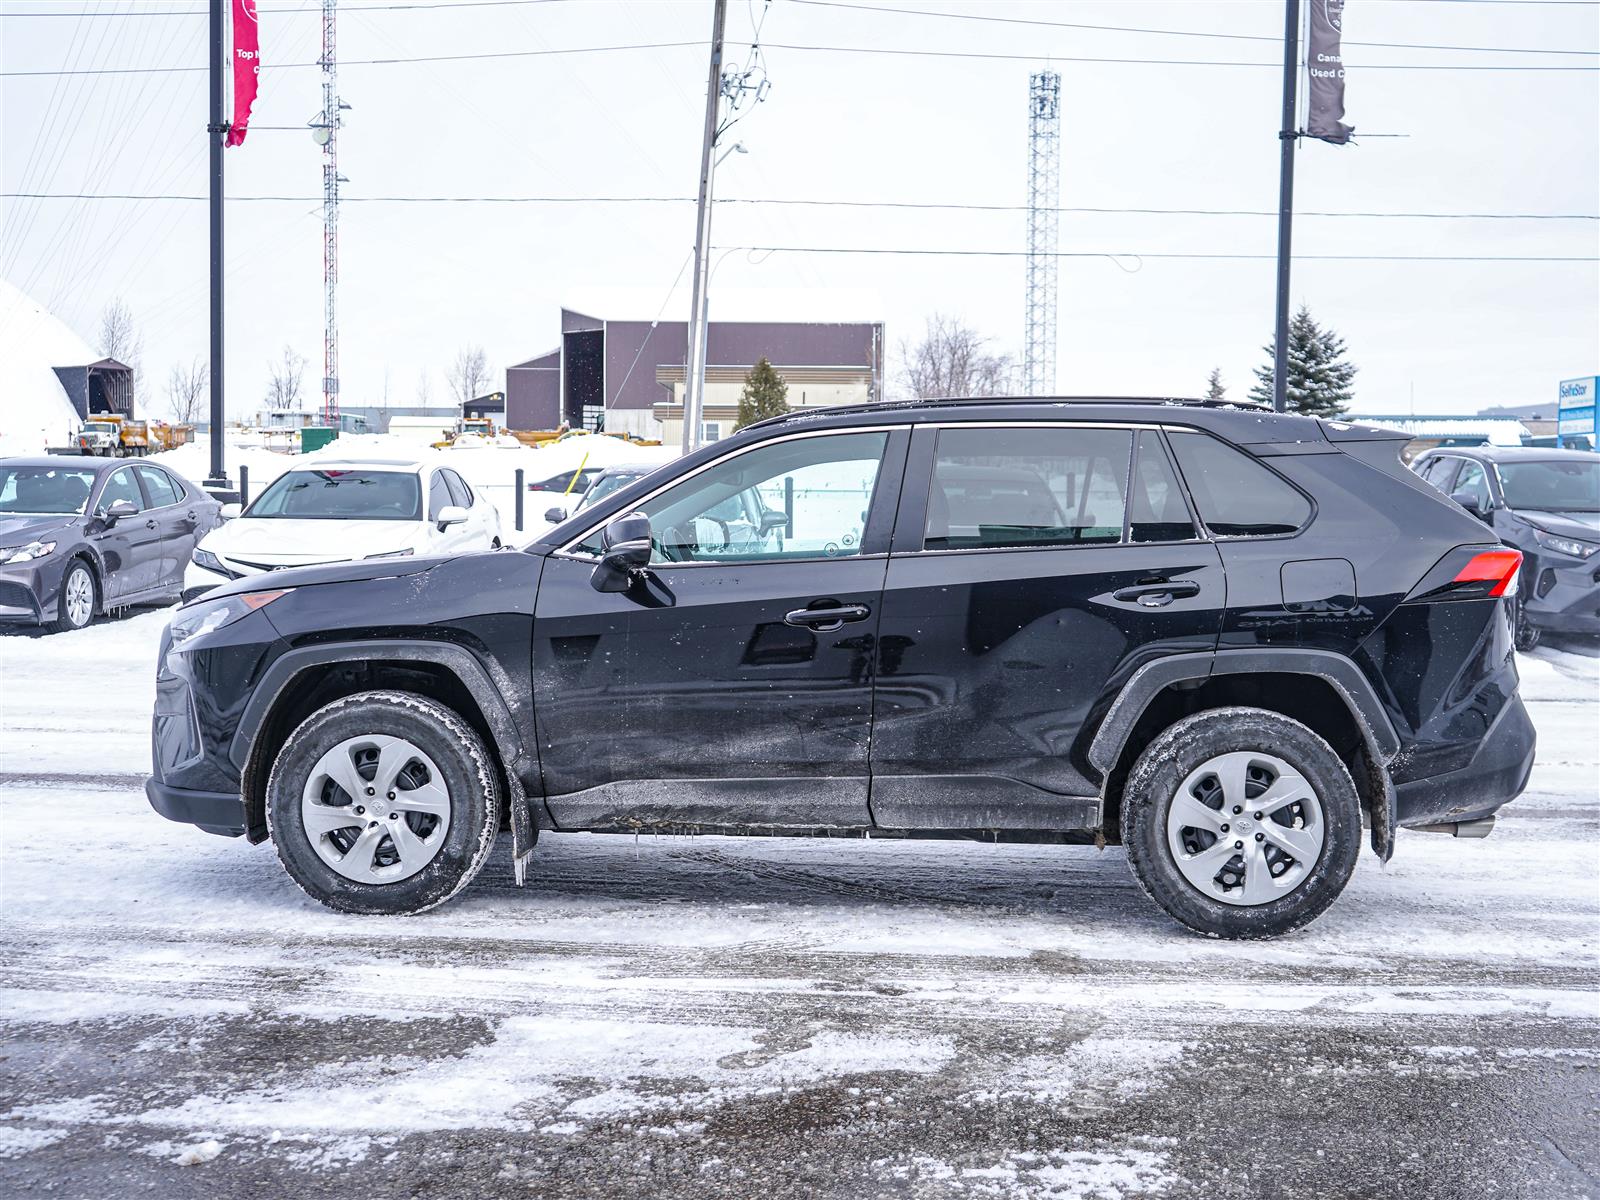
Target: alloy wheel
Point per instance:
(1245, 828)
(79, 597)
(375, 809)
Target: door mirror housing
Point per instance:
(1469, 501)
(230, 511)
(771, 519)
(625, 550)
(117, 510)
(450, 514)
(555, 514)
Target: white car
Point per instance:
(334, 511)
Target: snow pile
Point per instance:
(34, 409)
(202, 1152)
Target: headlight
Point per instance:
(406, 553)
(208, 560)
(21, 554)
(211, 615)
(1561, 545)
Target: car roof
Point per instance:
(1510, 454)
(397, 465)
(85, 461)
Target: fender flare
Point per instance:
(1380, 742)
(458, 660)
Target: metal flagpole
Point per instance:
(694, 383)
(216, 131)
(1287, 136)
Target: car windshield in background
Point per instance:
(341, 496)
(607, 484)
(1556, 485)
(47, 491)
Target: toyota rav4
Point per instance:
(1224, 638)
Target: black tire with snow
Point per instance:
(1182, 748)
(1524, 631)
(63, 621)
(468, 772)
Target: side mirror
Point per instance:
(555, 514)
(624, 553)
(118, 510)
(772, 519)
(450, 514)
(230, 511)
(1469, 501)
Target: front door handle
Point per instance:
(1155, 595)
(826, 620)
(150, 524)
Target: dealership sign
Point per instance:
(1575, 410)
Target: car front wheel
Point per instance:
(79, 595)
(1241, 823)
(383, 802)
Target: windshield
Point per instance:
(607, 484)
(341, 496)
(1557, 485)
(44, 491)
(99, 427)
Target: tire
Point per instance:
(1525, 634)
(1276, 875)
(414, 846)
(78, 600)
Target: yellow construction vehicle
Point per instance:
(111, 435)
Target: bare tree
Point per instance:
(283, 381)
(953, 359)
(186, 390)
(424, 389)
(120, 338)
(468, 375)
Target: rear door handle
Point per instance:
(1154, 595)
(826, 620)
(150, 524)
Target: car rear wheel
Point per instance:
(78, 600)
(1241, 823)
(383, 802)
(1525, 633)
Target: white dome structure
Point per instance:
(34, 409)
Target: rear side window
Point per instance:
(1156, 509)
(1000, 488)
(1235, 494)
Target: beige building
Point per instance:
(809, 387)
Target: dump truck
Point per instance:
(111, 435)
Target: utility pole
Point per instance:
(1044, 182)
(1287, 136)
(694, 384)
(327, 132)
(216, 131)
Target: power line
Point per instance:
(789, 201)
(294, 10)
(1189, 33)
(1115, 255)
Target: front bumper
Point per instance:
(215, 812)
(1496, 775)
(29, 592)
(1561, 594)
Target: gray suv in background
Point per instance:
(1545, 503)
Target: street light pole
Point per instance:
(1287, 137)
(216, 131)
(694, 384)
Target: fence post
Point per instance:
(520, 492)
(244, 485)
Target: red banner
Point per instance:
(246, 67)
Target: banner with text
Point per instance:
(1325, 63)
(246, 67)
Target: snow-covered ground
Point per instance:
(736, 1017)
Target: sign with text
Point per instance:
(1575, 409)
(1325, 66)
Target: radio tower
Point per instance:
(326, 131)
(1044, 183)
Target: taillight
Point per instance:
(1489, 573)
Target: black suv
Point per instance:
(1222, 637)
(1546, 503)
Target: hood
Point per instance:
(351, 572)
(1574, 524)
(271, 542)
(20, 529)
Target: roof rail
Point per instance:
(958, 401)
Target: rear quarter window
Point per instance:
(1235, 495)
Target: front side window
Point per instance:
(44, 491)
(159, 485)
(801, 498)
(1565, 485)
(340, 496)
(439, 497)
(1236, 495)
(460, 493)
(1474, 482)
(1027, 487)
(122, 486)
(1439, 470)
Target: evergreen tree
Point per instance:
(1214, 387)
(765, 395)
(1320, 379)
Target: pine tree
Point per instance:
(1320, 379)
(1214, 386)
(765, 395)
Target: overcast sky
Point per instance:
(420, 280)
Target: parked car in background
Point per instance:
(80, 536)
(606, 481)
(568, 483)
(1546, 503)
(346, 511)
(1225, 638)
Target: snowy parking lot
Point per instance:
(737, 1017)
